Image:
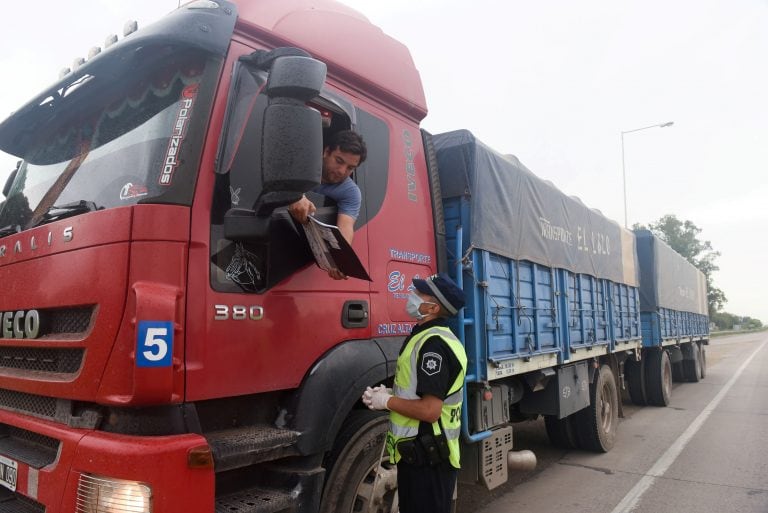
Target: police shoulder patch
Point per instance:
(431, 363)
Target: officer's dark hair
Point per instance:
(348, 142)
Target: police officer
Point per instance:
(425, 404)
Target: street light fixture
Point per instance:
(623, 165)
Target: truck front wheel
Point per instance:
(353, 464)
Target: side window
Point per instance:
(372, 175)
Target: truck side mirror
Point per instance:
(291, 140)
(292, 134)
(11, 178)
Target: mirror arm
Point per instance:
(263, 59)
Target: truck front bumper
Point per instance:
(56, 467)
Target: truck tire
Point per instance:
(658, 378)
(703, 361)
(692, 367)
(634, 372)
(596, 424)
(352, 465)
(561, 432)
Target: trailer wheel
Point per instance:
(634, 370)
(596, 424)
(561, 432)
(692, 367)
(703, 361)
(658, 378)
(353, 463)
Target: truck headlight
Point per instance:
(98, 494)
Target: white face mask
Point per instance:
(413, 304)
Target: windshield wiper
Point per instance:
(57, 212)
(9, 230)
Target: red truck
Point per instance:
(168, 343)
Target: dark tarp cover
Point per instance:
(667, 280)
(520, 216)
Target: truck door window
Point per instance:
(372, 176)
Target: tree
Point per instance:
(723, 320)
(683, 237)
(727, 321)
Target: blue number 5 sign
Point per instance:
(154, 345)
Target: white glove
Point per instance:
(366, 398)
(376, 398)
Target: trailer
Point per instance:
(675, 322)
(552, 297)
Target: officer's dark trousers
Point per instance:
(425, 489)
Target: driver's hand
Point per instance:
(337, 275)
(302, 209)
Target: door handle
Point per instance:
(355, 314)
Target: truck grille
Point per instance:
(11, 502)
(34, 449)
(40, 359)
(31, 404)
(62, 411)
(69, 320)
(66, 323)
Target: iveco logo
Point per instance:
(20, 324)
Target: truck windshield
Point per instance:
(116, 139)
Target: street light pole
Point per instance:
(623, 162)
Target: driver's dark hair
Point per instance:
(348, 141)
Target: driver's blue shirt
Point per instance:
(346, 194)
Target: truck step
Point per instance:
(243, 446)
(255, 500)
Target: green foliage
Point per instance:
(727, 321)
(683, 237)
(723, 320)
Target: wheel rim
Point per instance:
(667, 377)
(377, 496)
(697, 364)
(606, 409)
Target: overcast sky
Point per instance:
(553, 82)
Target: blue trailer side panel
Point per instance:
(518, 311)
(521, 314)
(625, 318)
(588, 310)
(673, 295)
(511, 306)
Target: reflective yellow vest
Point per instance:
(402, 427)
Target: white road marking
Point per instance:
(631, 500)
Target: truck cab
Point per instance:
(167, 338)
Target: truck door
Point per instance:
(261, 313)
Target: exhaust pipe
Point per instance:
(521, 460)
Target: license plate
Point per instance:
(9, 469)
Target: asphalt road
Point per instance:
(706, 452)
